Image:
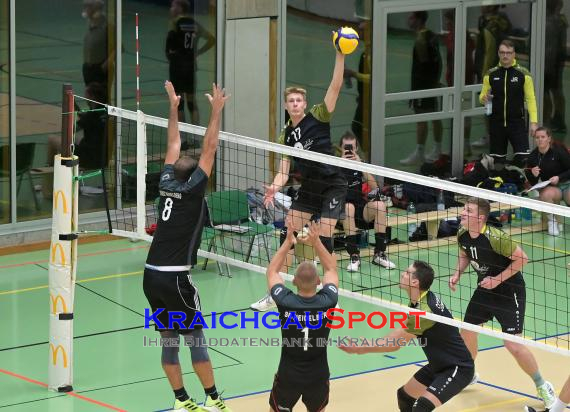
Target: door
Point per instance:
(427, 91)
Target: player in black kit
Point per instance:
(167, 280)
(323, 186)
(182, 51)
(450, 366)
(303, 369)
(501, 291)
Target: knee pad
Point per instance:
(170, 342)
(423, 405)
(198, 347)
(283, 236)
(328, 243)
(405, 401)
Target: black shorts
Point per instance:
(425, 105)
(359, 220)
(284, 395)
(506, 305)
(182, 76)
(171, 291)
(325, 200)
(446, 383)
(516, 132)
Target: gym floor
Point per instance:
(113, 370)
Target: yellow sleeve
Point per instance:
(530, 99)
(281, 140)
(486, 87)
(321, 113)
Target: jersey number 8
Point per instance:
(167, 209)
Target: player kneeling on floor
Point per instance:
(450, 366)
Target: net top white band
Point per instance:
(375, 170)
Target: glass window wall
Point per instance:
(310, 61)
(4, 111)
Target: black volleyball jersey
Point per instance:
(182, 40)
(444, 345)
(354, 194)
(312, 133)
(489, 253)
(180, 218)
(299, 362)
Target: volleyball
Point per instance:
(345, 40)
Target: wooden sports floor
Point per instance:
(114, 371)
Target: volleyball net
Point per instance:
(242, 232)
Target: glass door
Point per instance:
(429, 62)
(486, 25)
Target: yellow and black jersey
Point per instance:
(444, 347)
(489, 253)
(313, 133)
(511, 87)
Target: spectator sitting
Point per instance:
(361, 213)
(549, 161)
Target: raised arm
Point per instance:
(328, 260)
(217, 100)
(173, 144)
(278, 260)
(336, 82)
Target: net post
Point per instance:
(67, 100)
(141, 174)
(63, 254)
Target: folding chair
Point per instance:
(229, 213)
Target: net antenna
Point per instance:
(138, 70)
(244, 166)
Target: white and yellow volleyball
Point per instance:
(345, 40)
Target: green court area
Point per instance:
(114, 369)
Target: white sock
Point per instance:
(552, 218)
(420, 148)
(437, 146)
(558, 406)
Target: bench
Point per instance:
(433, 218)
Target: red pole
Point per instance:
(67, 107)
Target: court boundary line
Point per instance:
(102, 252)
(156, 379)
(72, 393)
(413, 363)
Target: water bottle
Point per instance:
(440, 201)
(489, 105)
(412, 226)
(518, 213)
